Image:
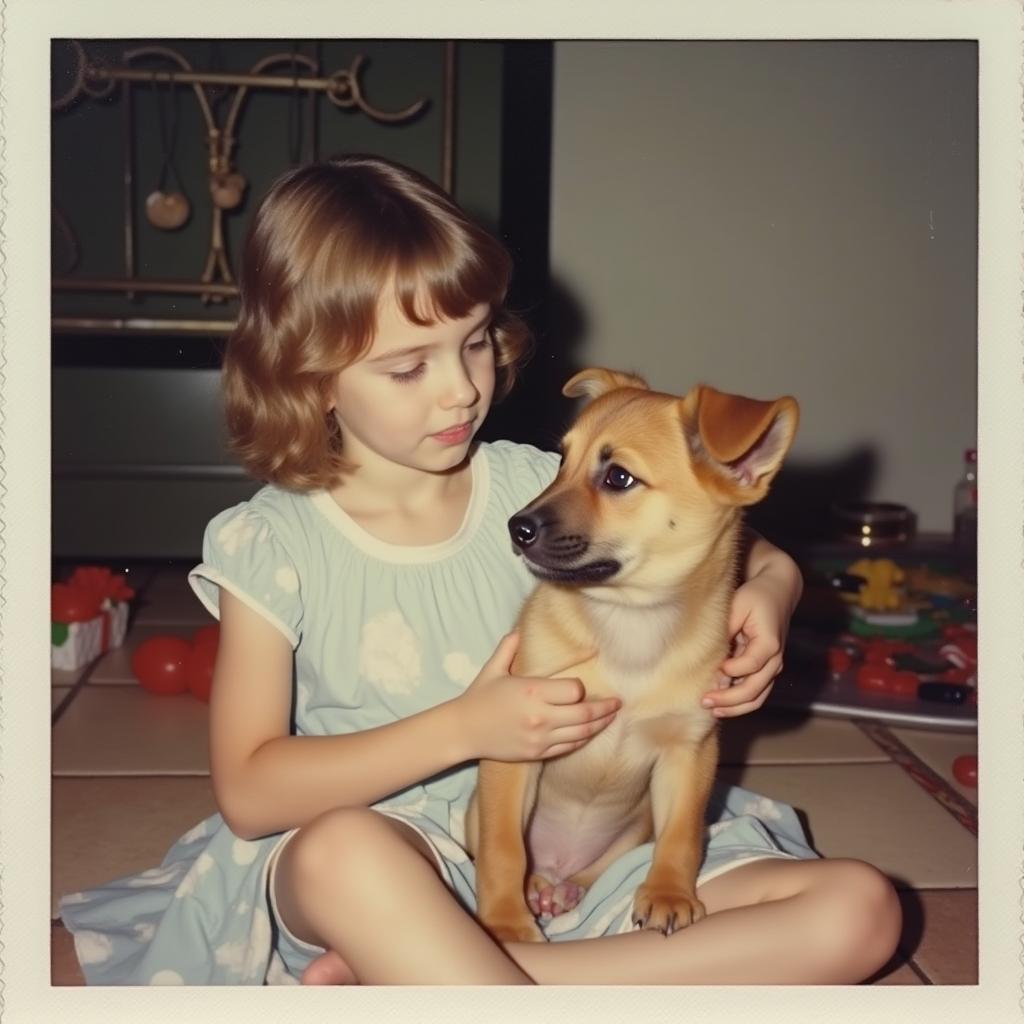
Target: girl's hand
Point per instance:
(521, 718)
(758, 623)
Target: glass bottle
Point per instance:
(965, 516)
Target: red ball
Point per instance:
(159, 664)
(207, 635)
(199, 669)
(965, 770)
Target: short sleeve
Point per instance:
(519, 472)
(243, 555)
(533, 470)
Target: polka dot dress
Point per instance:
(379, 631)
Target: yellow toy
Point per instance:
(882, 591)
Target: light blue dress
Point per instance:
(379, 631)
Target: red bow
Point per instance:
(82, 597)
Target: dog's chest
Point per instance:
(632, 644)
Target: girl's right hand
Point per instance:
(521, 718)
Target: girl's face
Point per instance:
(419, 394)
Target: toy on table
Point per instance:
(881, 590)
(88, 616)
(167, 665)
(885, 638)
(896, 667)
(884, 599)
(874, 589)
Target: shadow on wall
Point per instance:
(796, 509)
(798, 506)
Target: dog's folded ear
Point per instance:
(596, 381)
(738, 443)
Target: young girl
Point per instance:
(363, 595)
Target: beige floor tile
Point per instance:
(940, 933)
(105, 828)
(64, 969)
(123, 730)
(874, 812)
(169, 600)
(116, 665)
(939, 750)
(768, 737)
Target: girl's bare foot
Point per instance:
(328, 969)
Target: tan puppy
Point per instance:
(635, 544)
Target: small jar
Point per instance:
(873, 524)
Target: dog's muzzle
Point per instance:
(555, 555)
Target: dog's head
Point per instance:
(649, 482)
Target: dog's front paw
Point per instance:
(665, 910)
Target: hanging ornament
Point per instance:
(167, 209)
(227, 189)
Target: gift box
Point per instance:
(89, 616)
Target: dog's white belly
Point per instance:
(561, 845)
(587, 799)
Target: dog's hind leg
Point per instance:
(548, 899)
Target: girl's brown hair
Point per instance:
(324, 243)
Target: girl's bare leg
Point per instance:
(774, 921)
(365, 886)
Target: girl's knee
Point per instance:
(865, 914)
(337, 844)
(867, 889)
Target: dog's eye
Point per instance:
(618, 479)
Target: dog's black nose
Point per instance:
(524, 530)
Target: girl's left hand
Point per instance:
(758, 621)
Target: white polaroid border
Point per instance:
(28, 26)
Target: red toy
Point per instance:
(839, 660)
(159, 664)
(877, 677)
(199, 669)
(207, 635)
(169, 665)
(70, 604)
(965, 770)
(881, 649)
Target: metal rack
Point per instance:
(94, 79)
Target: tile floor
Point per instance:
(131, 773)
